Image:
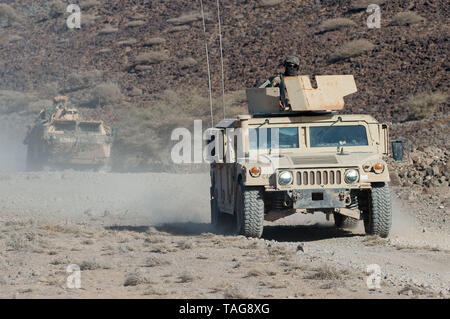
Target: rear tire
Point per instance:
(346, 222)
(249, 211)
(378, 214)
(219, 220)
(214, 209)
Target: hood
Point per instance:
(319, 160)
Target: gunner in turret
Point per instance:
(291, 65)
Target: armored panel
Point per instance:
(301, 96)
(263, 101)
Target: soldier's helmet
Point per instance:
(60, 100)
(292, 59)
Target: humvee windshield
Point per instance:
(65, 126)
(89, 127)
(329, 136)
(273, 138)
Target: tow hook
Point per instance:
(295, 196)
(345, 198)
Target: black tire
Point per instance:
(346, 222)
(249, 219)
(378, 215)
(214, 209)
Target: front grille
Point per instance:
(320, 177)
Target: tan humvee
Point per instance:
(59, 139)
(295, 154)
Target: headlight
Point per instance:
(351, 176)
(285, 178)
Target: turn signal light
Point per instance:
(378, 168)
(255, 171)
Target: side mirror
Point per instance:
(400, 150)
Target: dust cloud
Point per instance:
(113, 198)
(402, 222)
(406, 230)
(12, 149)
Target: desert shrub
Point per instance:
(133, 279)
(423, 105)
(87, 4)
(186, 277)
(56, 9)
(128, 42)
(108, 29)
(7, 15)
(134, 24)
(84, 79)
(104, 51)
(328, 273)
(351, 49)
(269, 3)
(154, 261)
(235, 293)
(154, 41)
(106, 94)
(359, 5)
(336, 24)
(153, 57)
(179, 28)
(406, 18)
(187, 63)
(14, 38)
(188, 18)
(10, 39)
(89, 264)
(88, 19)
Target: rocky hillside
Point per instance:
(140, 65)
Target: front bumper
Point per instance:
(320, 198)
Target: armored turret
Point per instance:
(296, 94)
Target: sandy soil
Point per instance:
(148, 235)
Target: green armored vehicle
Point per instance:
(295, 153)
(59, 139)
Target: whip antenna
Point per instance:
(207, 62)
(221, 58)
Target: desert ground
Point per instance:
(147, 235)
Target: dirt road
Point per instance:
(148, 235)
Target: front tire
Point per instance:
(378, 214)
(249, 211)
